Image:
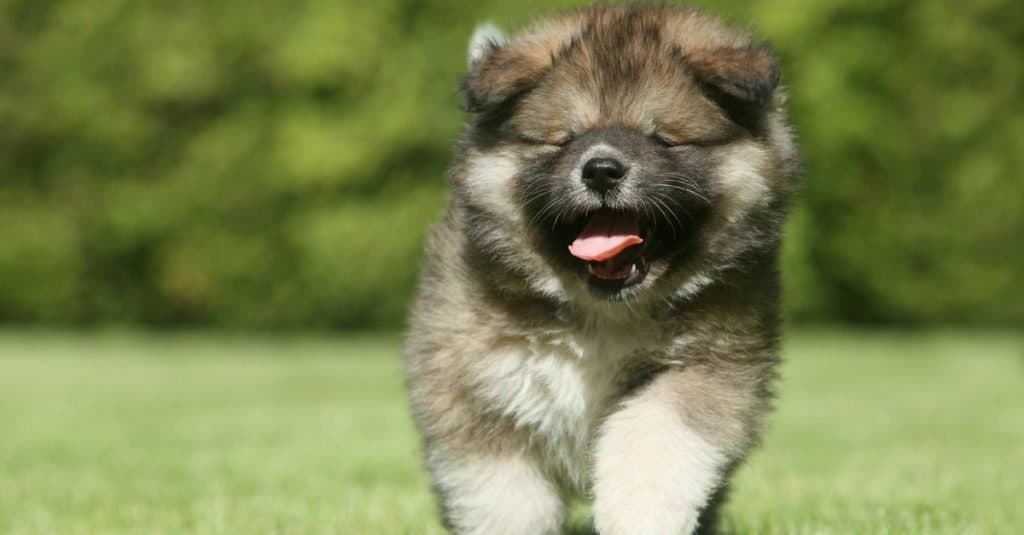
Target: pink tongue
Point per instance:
(605, 236)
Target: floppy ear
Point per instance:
(749, 74)
(499, 70)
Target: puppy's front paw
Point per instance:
(497, 496)
(638, 519)
(653, 474)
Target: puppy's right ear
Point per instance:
(499, 69)
(486, 38)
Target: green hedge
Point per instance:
(274, 164)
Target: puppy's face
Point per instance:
(618, 152)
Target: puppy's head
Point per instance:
(621, 152)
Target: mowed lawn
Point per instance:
(876, 432)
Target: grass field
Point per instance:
(876, 432)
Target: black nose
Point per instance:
(603, 174)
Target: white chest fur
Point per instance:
(557, 387)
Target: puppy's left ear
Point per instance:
(500, 70)
(749, 74)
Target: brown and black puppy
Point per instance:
(598, 310)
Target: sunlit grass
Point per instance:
(131, 433)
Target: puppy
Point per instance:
(598, 309)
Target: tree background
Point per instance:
(274, 164)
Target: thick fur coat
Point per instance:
(536, 374)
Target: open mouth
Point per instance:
(612, 245)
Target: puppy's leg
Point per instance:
(654, 473)
(499, 496)
(662, 455)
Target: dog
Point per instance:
(598, 308)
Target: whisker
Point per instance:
(548, 206)
(661, 211)
(683, 183)
(686, 213)
(683, 188)
(534, 196)
(668, 213)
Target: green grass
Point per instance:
(876, 432)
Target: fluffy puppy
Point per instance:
(598, 306)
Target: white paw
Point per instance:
(498, 497)
(653, 474)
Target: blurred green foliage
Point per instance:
(275, 164)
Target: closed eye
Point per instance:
(670, 142)
(664, 141)
(551, 142)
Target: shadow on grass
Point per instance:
(580, 529)
(588, 529)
